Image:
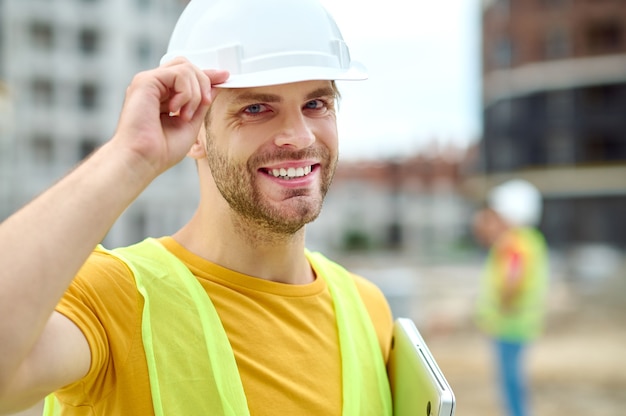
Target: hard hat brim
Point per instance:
(356, 72)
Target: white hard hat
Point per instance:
(517, 201)
(263, 42)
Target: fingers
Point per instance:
(189, 90)
(217, 76)
(186, 88)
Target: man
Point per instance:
(247, 90)
(511, 301)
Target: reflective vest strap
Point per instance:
(182, 380)
(364, 377)
(51, 406)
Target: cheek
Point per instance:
(327, 133)
(241, 147)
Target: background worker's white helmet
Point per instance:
(263, 43)
(517, 201)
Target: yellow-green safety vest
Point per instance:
(199, 376)
(525, 320)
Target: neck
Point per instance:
(245, 247)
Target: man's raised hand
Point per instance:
(163, 111)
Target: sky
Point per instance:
(423, 63)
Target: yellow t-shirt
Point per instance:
(284, 338)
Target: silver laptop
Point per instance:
(417, 384)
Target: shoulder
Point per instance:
(101, 299)
(529, 241)
(373, 299)
(378, 309)
(104, 273)
(103, 288)
(370, 293)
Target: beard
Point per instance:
(237, 184)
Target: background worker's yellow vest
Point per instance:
(524, 320)
(200, 376)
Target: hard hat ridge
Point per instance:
(263, 43)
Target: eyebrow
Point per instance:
(321, 92)
(262, 97)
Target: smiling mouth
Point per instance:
(290, 173)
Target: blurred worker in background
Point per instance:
(510, 306)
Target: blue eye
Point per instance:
(254, 108)
(313, 104)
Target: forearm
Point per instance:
(43, 245)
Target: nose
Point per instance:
(295, 131)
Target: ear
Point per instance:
(197, 150)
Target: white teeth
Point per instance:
(291, 173)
